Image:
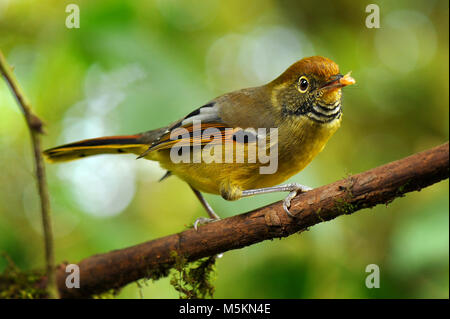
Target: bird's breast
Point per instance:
(300, 140)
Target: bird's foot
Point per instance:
(203, 221)
(294, 189)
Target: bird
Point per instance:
(302, 107)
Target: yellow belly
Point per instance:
(300, 140)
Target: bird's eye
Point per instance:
(303, 84)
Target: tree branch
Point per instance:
(154, 258)
(35, 126)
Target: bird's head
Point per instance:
(311, 87)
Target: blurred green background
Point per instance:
(138, 65)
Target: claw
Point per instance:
(298, 188)
(203, 221)
(287, 203)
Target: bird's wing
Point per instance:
(200, 127)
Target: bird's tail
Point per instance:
(102, 145)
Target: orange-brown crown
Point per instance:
(317, 66)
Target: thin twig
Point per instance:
(35, 126)
(153, 259)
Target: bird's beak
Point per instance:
(347, 80)
(339, 81)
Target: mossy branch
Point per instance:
(155, 258)
(35, 126)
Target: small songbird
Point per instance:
(303, 104)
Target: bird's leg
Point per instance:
(293, 188)
(209, 210)
(203, 220)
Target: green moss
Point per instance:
(402, 189)
(318, 214)
(193, 280)
(110, 294)
(344, 207)
(18, 284)
(161, 272)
